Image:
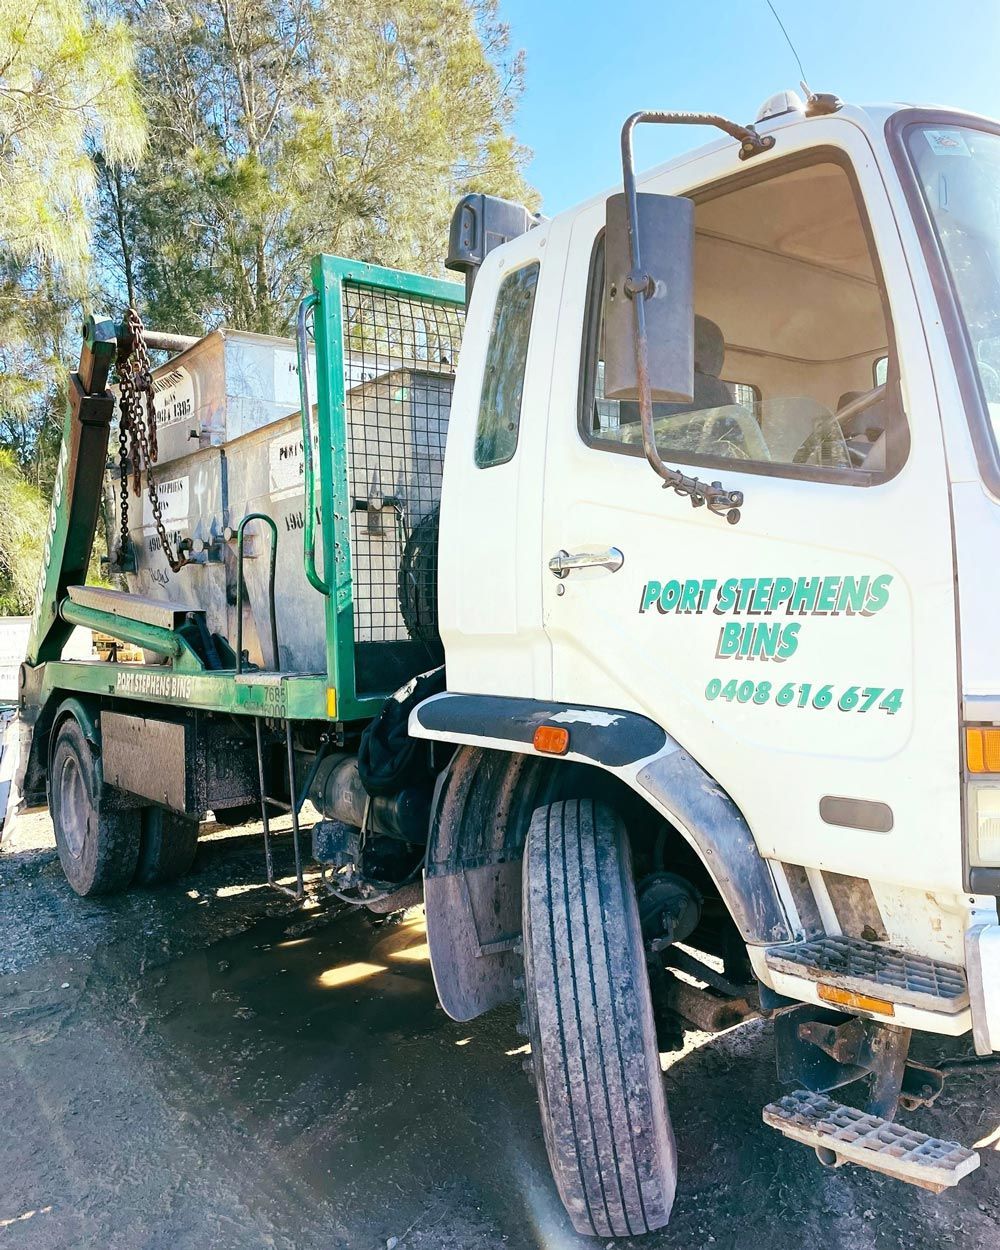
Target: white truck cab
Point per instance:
(826, 665)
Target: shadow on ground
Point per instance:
(207, 1065)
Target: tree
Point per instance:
(23, 517)
(281, 128)
(66, 86)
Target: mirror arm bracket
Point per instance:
(639, 286)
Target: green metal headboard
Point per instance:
(333, 277)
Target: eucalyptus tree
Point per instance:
(280, 128)
(66, 87)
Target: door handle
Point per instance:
(564, 562)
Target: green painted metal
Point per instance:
(241, 587)
(76, 497)
(151, 637)
(330, 275)
(184, 682)
(306, 306)
(279, 695)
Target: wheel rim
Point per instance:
(74, 806)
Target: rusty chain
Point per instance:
(137, 432)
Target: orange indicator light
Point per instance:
(552, 739)
(850, 998)
(982, 749)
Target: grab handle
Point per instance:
(241, 588)
(306, 305)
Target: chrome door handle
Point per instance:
(563, 562)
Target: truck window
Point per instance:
(503, 378)
(789, 299)
(745, 393)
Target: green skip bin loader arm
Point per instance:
(76, 493)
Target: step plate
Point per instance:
(880, 971)
(871, 1142)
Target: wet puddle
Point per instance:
(325, 1044)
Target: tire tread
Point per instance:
(604, 1115)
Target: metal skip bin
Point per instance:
(218, 405)
(230, 444)
(265, 472)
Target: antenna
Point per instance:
(798, 60)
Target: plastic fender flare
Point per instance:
(468, 859)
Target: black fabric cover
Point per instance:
(389, 760)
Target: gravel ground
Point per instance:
(210, 1065)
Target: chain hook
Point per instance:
(137, 432)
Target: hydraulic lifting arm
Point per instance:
(76, 492)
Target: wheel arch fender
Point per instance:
(85, 712)
(483, 804)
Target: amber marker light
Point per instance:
(552, 739)
(982, 749)
(858, 1002)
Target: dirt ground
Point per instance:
(210, 1065)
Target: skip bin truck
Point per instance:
(650, 639)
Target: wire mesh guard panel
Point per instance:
(400, 355)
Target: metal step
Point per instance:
(164, 613)
(842, 1134)
(871, 968)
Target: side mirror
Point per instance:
(664, 247)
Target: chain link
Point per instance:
(137, 433)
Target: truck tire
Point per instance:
(590, 1022)
(166, 848)
(97, 840)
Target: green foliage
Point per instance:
(277, 129)
(281, 128)
(23, 520)
(64, 81)
(66, 85)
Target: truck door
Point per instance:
(806, 656)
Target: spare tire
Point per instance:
(417, 581)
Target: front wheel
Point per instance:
(590, 1023)
(97, 838)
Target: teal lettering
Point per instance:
(827, 601)
(729, 639)
(668, 597)
(804, 595)
(782, 590)
(852, 595)
(727, 596)
(878, 594)
(789, 641)
(650, 594)
(746, 590)
(765, 642)
(689, 597)
(761, 595)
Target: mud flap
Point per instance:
(472, 883)
(9, 743)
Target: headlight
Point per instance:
(984, 826)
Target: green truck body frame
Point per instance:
(184, 680)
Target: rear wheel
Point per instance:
(167, 847)
(96, 835)
(590, 1021)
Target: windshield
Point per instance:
(958, 168)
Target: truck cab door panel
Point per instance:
(809, 651)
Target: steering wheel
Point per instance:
(834, 425)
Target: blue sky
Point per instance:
(590, 63)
